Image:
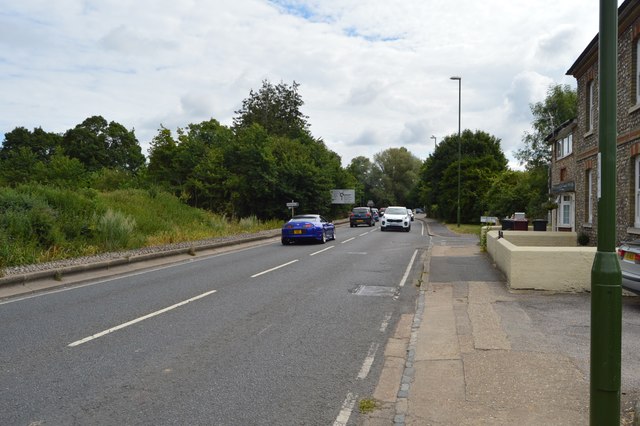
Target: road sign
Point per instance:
(343, 196)
(293, 204)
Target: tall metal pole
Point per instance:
(435, 141)
(606, 290)
(459, 141)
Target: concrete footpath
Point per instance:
(458, 362)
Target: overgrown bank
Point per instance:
(41, 223)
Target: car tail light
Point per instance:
(368, 214)
(289, 226)
(628, 255)
(308, 225)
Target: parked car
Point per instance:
(361, 216)
(629, 255)
(411, 215)
(376, 214)
(381, 211)
(419, 210)
(396, 217)
(308, 227)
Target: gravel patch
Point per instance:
(46, 266)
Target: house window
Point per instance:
(588, 197)
(636, 221)
(590, 106)
(565, 210)
(564, 147)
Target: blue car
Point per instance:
(309, 227)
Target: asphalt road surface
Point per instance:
(267, 335)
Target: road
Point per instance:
(270, 334)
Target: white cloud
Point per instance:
(373, 75)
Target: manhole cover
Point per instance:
(374, 290)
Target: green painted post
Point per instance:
(606, 279)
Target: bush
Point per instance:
(583, 239)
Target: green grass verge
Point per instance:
(40, 223)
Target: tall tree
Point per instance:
(42, 144)
(276, 108)
(481, 160)
(99, 144)
(559, 106)
(399, 172)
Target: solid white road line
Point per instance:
(350, 239)
(345, 412)
(362, 235)
(273, 269)
(320, 251)
(406, 273)
(368, 361)
(127, 324)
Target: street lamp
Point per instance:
(435, 140)
(459, 149)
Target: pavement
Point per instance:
(474, 355)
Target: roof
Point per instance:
(560, 130)
(628, 10)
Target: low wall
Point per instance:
(542, 260)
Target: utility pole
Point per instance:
(606, 278)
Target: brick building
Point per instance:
(574, 169)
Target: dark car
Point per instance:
(309, 227)
(629, 255)
(361, 216)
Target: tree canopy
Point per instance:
(481, 160)
(559, 106)
(276, 108)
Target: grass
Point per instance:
(367, 405)
(40, 223)
(465, 228)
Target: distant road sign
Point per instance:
(293, 204)
(343, 196)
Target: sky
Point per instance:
(373, 74)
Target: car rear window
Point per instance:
(395, 211)
(361, 210)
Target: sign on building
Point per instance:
(343, 196)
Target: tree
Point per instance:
(42, 144)
(99, 144)
(559, 106)
(276, 109)
(362, 169)
(399, 172)
(481, 160)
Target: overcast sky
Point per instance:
(373, 74)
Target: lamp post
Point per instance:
(435, 140)
(459, 142)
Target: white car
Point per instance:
(396, 217)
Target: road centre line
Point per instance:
(273, 269)
(350, 239)
(406, 273)
(127, 324)
(347, 408)
(320, 251)
(362, 235)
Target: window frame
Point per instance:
(589, 198)
(566, 200)
(636, 192)
(590, 107)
